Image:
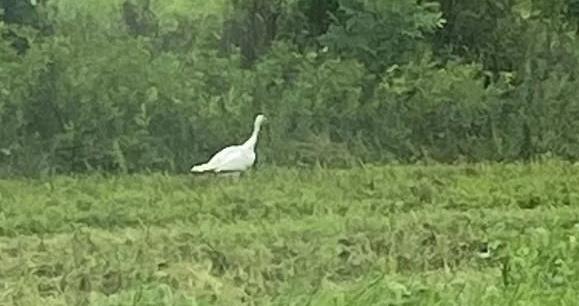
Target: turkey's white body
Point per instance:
(236, 158)
(231, 159)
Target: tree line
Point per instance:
(134, 85)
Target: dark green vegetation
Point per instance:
(396, 235)
(98, 98)
(128, 85)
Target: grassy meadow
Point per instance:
(485, 234)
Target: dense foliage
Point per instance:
(396, 235)
(129, 85)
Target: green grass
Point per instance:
(394, 235)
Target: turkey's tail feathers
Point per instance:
(201, 168)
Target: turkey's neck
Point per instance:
(250, 143)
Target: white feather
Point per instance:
(234, 158)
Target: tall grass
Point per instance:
(394, 235)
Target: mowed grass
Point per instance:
(392, 235)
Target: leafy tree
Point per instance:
(129, 85)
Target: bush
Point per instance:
(131, 85)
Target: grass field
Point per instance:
(394, 235)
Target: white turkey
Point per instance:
(236, 158)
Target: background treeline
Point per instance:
(129, 85)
